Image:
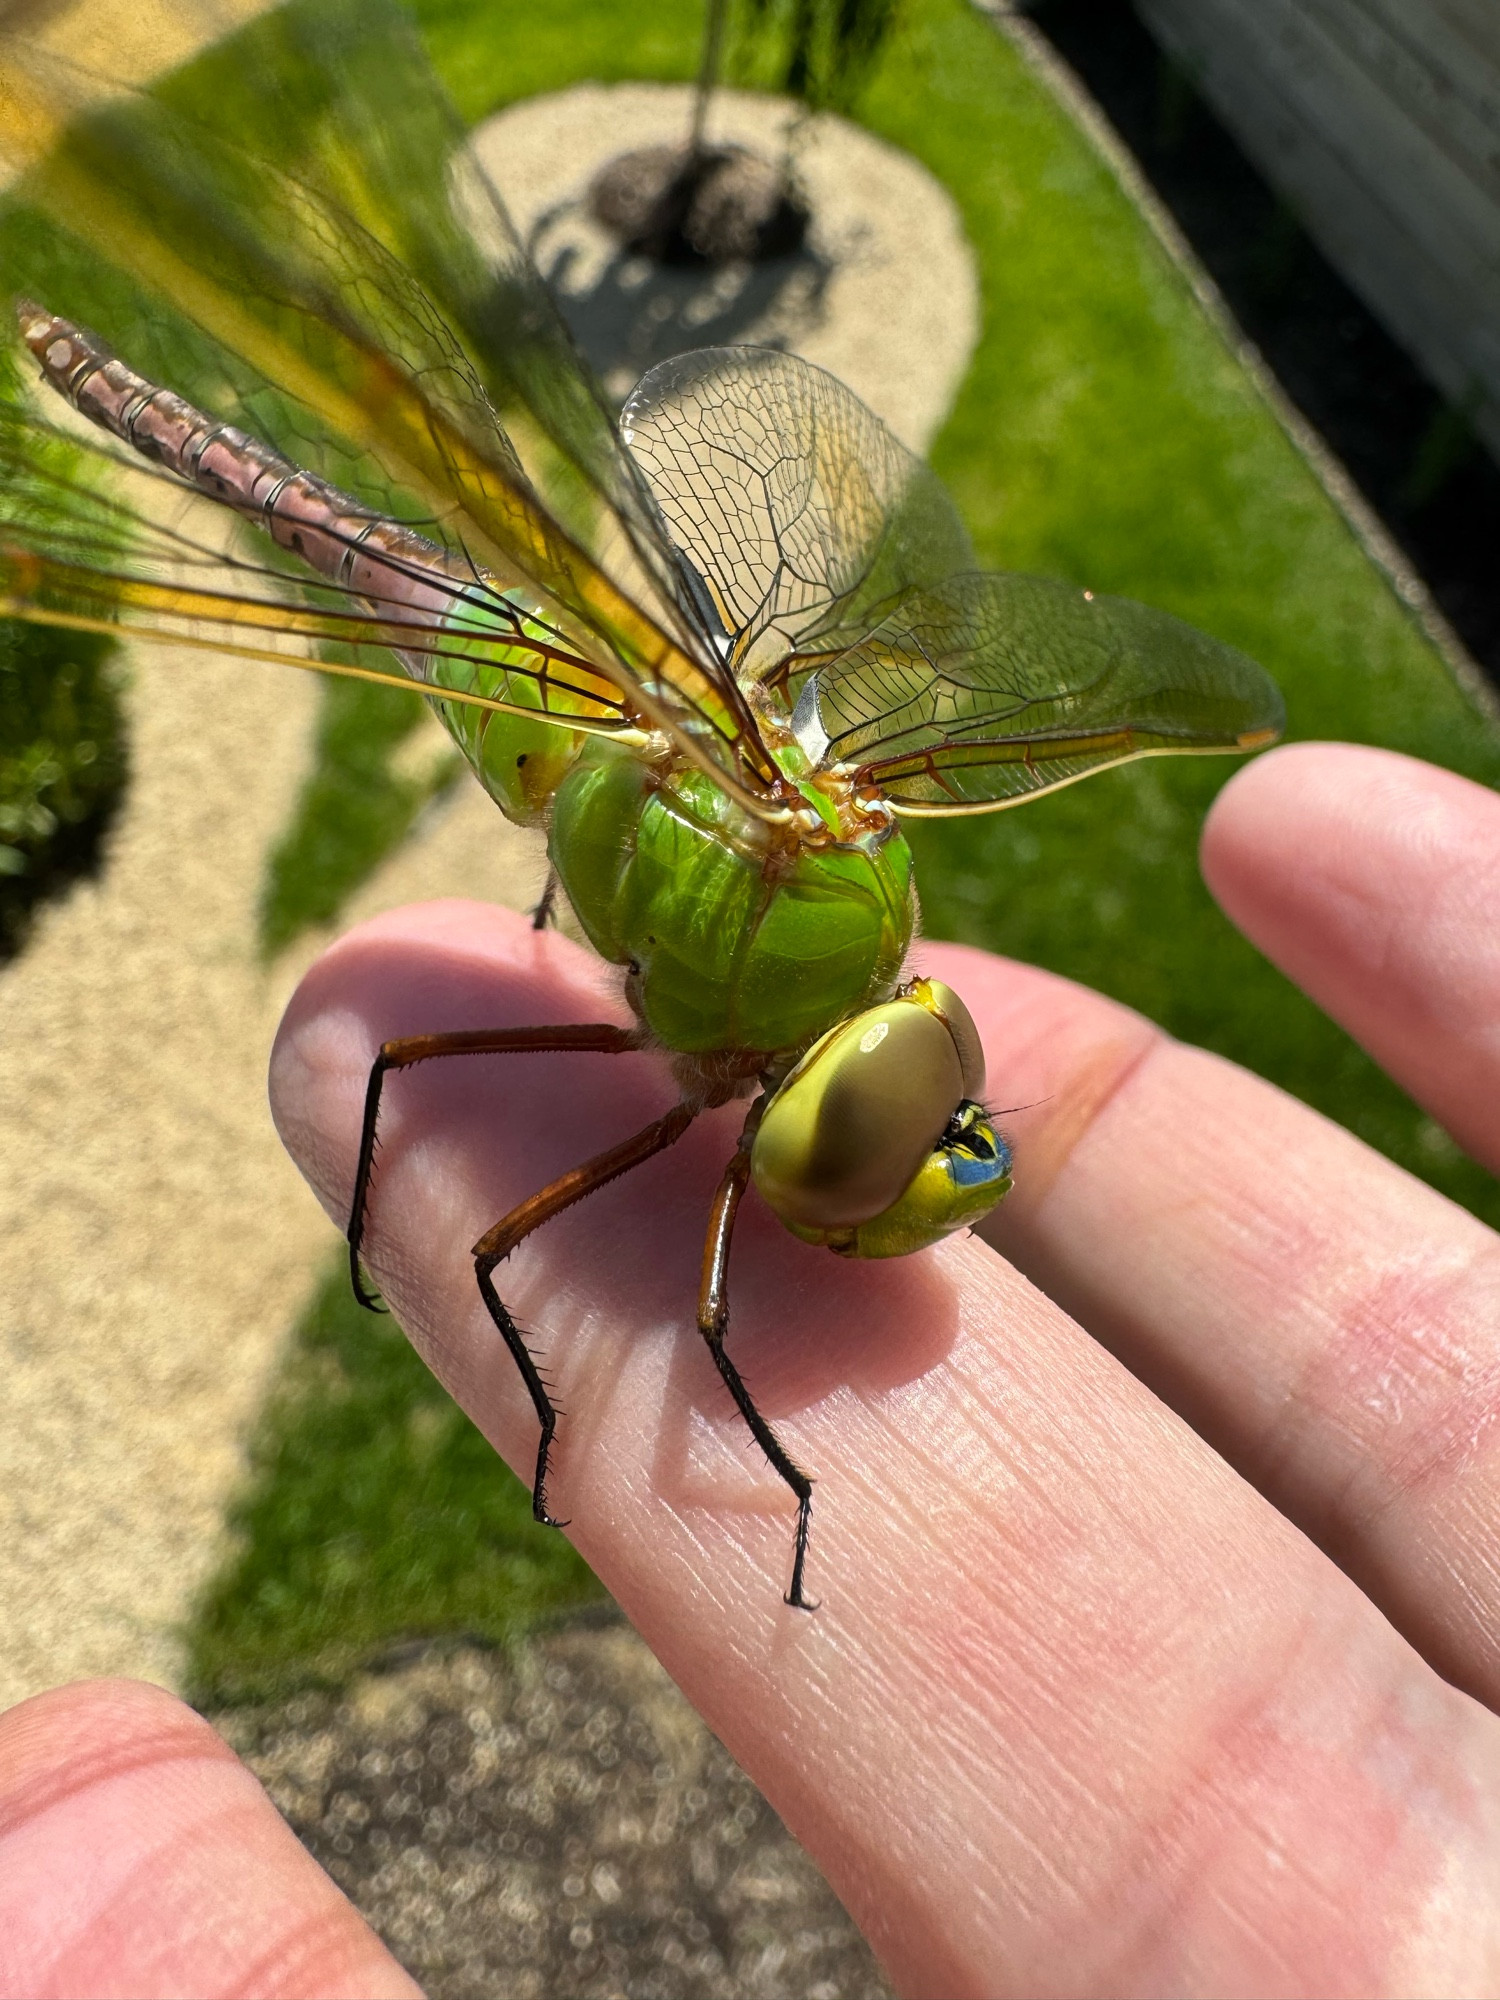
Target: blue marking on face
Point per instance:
(970, 1170)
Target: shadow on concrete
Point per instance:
(627, 312)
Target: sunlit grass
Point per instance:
(357, 805)
(374, 1511)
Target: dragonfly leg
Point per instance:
(513, 1228)
(598, 1039)
(713, 1324)
(546, 909)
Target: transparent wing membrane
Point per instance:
(289, 233)
(797, 506)
(840, 572)
(993, 688)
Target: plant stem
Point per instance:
(708, 69)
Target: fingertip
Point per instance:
(1261, 804)
(435, 959)
(1373, 881)
(74, 1736)
(1308, 820)
(139, 1855)
(425, 968)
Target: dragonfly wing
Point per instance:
(797, 506)
(148, 552)
(141, 554)
(991, 688)
(291, 232)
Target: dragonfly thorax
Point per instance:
(828, 804)
(735, 944)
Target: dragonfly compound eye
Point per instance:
(875, 1145)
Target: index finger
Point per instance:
(1329, 1322)
(1079, 1711)
(1373, 880)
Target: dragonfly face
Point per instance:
(878, 1143)
(717, 650)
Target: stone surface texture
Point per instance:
(555, 1823)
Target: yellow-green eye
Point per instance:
(875, 1144)
(957, 1185)
(941, 1000)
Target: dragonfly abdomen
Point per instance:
(406, 576)
(462, 629)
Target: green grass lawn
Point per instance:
(1104, 434)
(374, 1510)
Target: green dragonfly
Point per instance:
(718, 650)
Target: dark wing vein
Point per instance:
(991, 688)
(797, 506)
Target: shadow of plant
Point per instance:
(627, 312)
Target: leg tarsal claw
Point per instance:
(495, 1246)
(713, 1324)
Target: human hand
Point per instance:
(140, 1860)
(1083, 1710)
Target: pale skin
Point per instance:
(1159, 1644)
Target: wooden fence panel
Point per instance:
(1379, 122)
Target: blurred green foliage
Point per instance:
(820, 52)
(62, 763)
(62, 743)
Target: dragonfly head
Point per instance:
(877, 1142)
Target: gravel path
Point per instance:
(885, 296)
(155, 1241)
(556, 1823)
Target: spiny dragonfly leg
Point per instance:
(546, 909)
(530, 1214)
(713, 1324)
(596, 1038)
